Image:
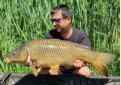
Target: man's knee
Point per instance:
(83, 71)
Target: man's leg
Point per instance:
(83, 71)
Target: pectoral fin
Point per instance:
(55, 69)
(33, 68)
(30, 63)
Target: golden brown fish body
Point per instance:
(52, 52)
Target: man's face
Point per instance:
(62, 25)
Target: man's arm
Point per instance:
(84, 40)
(81, 68)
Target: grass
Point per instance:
(23, 20)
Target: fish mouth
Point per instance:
(6, 60)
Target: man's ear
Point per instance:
(69, 19)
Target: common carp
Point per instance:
(52, 53)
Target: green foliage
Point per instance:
(22, 20)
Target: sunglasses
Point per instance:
(57, 20)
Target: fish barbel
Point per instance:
(54, 53)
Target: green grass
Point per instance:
(23, 20)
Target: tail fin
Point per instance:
(101, 62)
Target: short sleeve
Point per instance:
(85, 40)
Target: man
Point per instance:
(61, 17)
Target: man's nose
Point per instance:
(54, 23)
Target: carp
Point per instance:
(52, 53)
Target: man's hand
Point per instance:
(41, 70)
(37, 67)
(79, 63)
(82, 69)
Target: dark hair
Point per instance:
(66, 11)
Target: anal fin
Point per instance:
(55, 69)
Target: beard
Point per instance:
(62, 30)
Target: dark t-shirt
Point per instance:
(77, 36)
